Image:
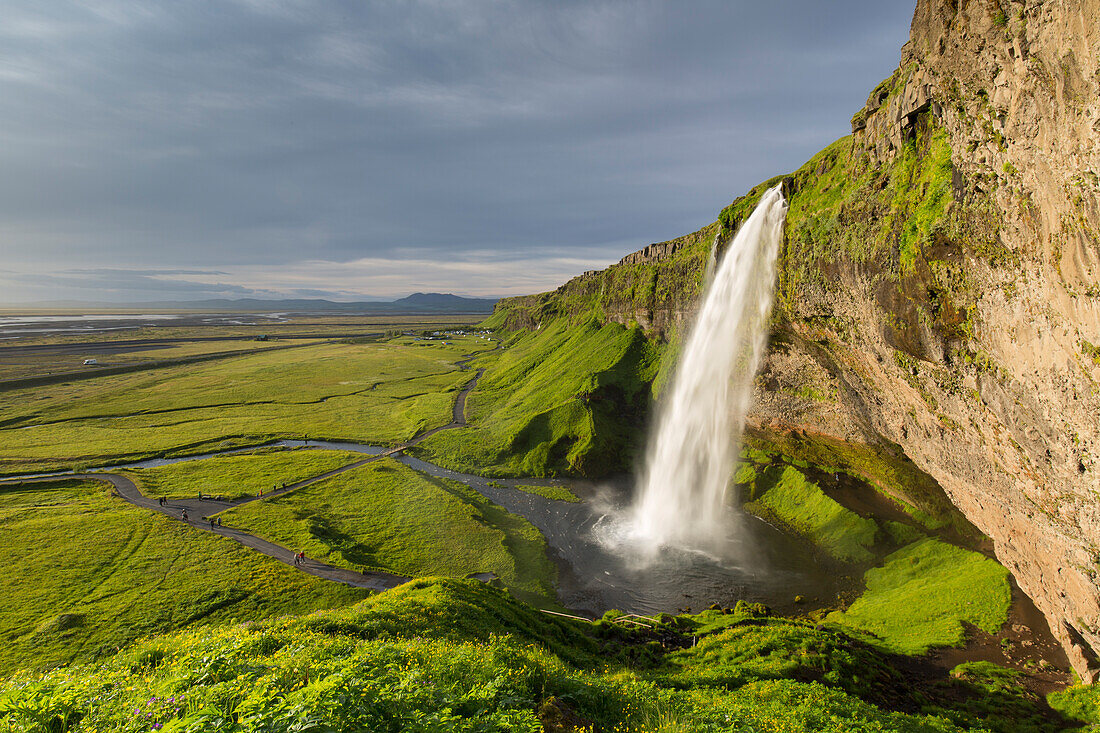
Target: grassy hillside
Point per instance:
(87, 573)
(925, 592)
(445, 655)
(565, 398)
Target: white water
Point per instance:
(681, 495)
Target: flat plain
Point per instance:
(379, 393)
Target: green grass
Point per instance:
(87, 573)
(559, 400)
(1080, 702)
(556, 493)
(240, 475)
(924, 592)
(387, 516)
(374, 393)
(433, 655)
(800, 505)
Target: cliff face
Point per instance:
(939, 287)
(991, 386)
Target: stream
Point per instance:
(758, 564)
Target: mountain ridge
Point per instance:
(410, 304)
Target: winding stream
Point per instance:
(591, 577)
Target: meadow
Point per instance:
(379, 393)
(386, 516)
(88, 573)
(239, 475)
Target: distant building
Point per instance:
(90, 362)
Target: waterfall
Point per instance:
(680, 497)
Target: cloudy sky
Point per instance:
(266, 148)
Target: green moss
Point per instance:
(557, 493)
(921, 190)
(903, 534)
(884, 468)
(804, 508)
(923, 593)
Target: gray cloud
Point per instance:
(238, 135)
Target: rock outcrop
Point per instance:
(939, 287)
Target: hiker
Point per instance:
(211, 523)
(261, 494)
(185, 515)
(297, 557)
(219, 521)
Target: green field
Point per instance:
(87, 573)
(381, 393)
(387, 516)
(239, 475)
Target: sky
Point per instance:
(166, 150)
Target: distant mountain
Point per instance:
(445, 302)
(417, 303)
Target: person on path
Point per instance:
(185, 515)
(261, 494)
(219, 521)
(211, 523)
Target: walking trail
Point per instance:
(197, 509)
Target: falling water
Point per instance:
(681, 494)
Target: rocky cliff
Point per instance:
(939, 292)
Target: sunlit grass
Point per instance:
(240, 475)
(554, 403)
(387, 516)
(87, 573)
(923, 593)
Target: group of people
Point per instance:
(274, 487)
(299, 557)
